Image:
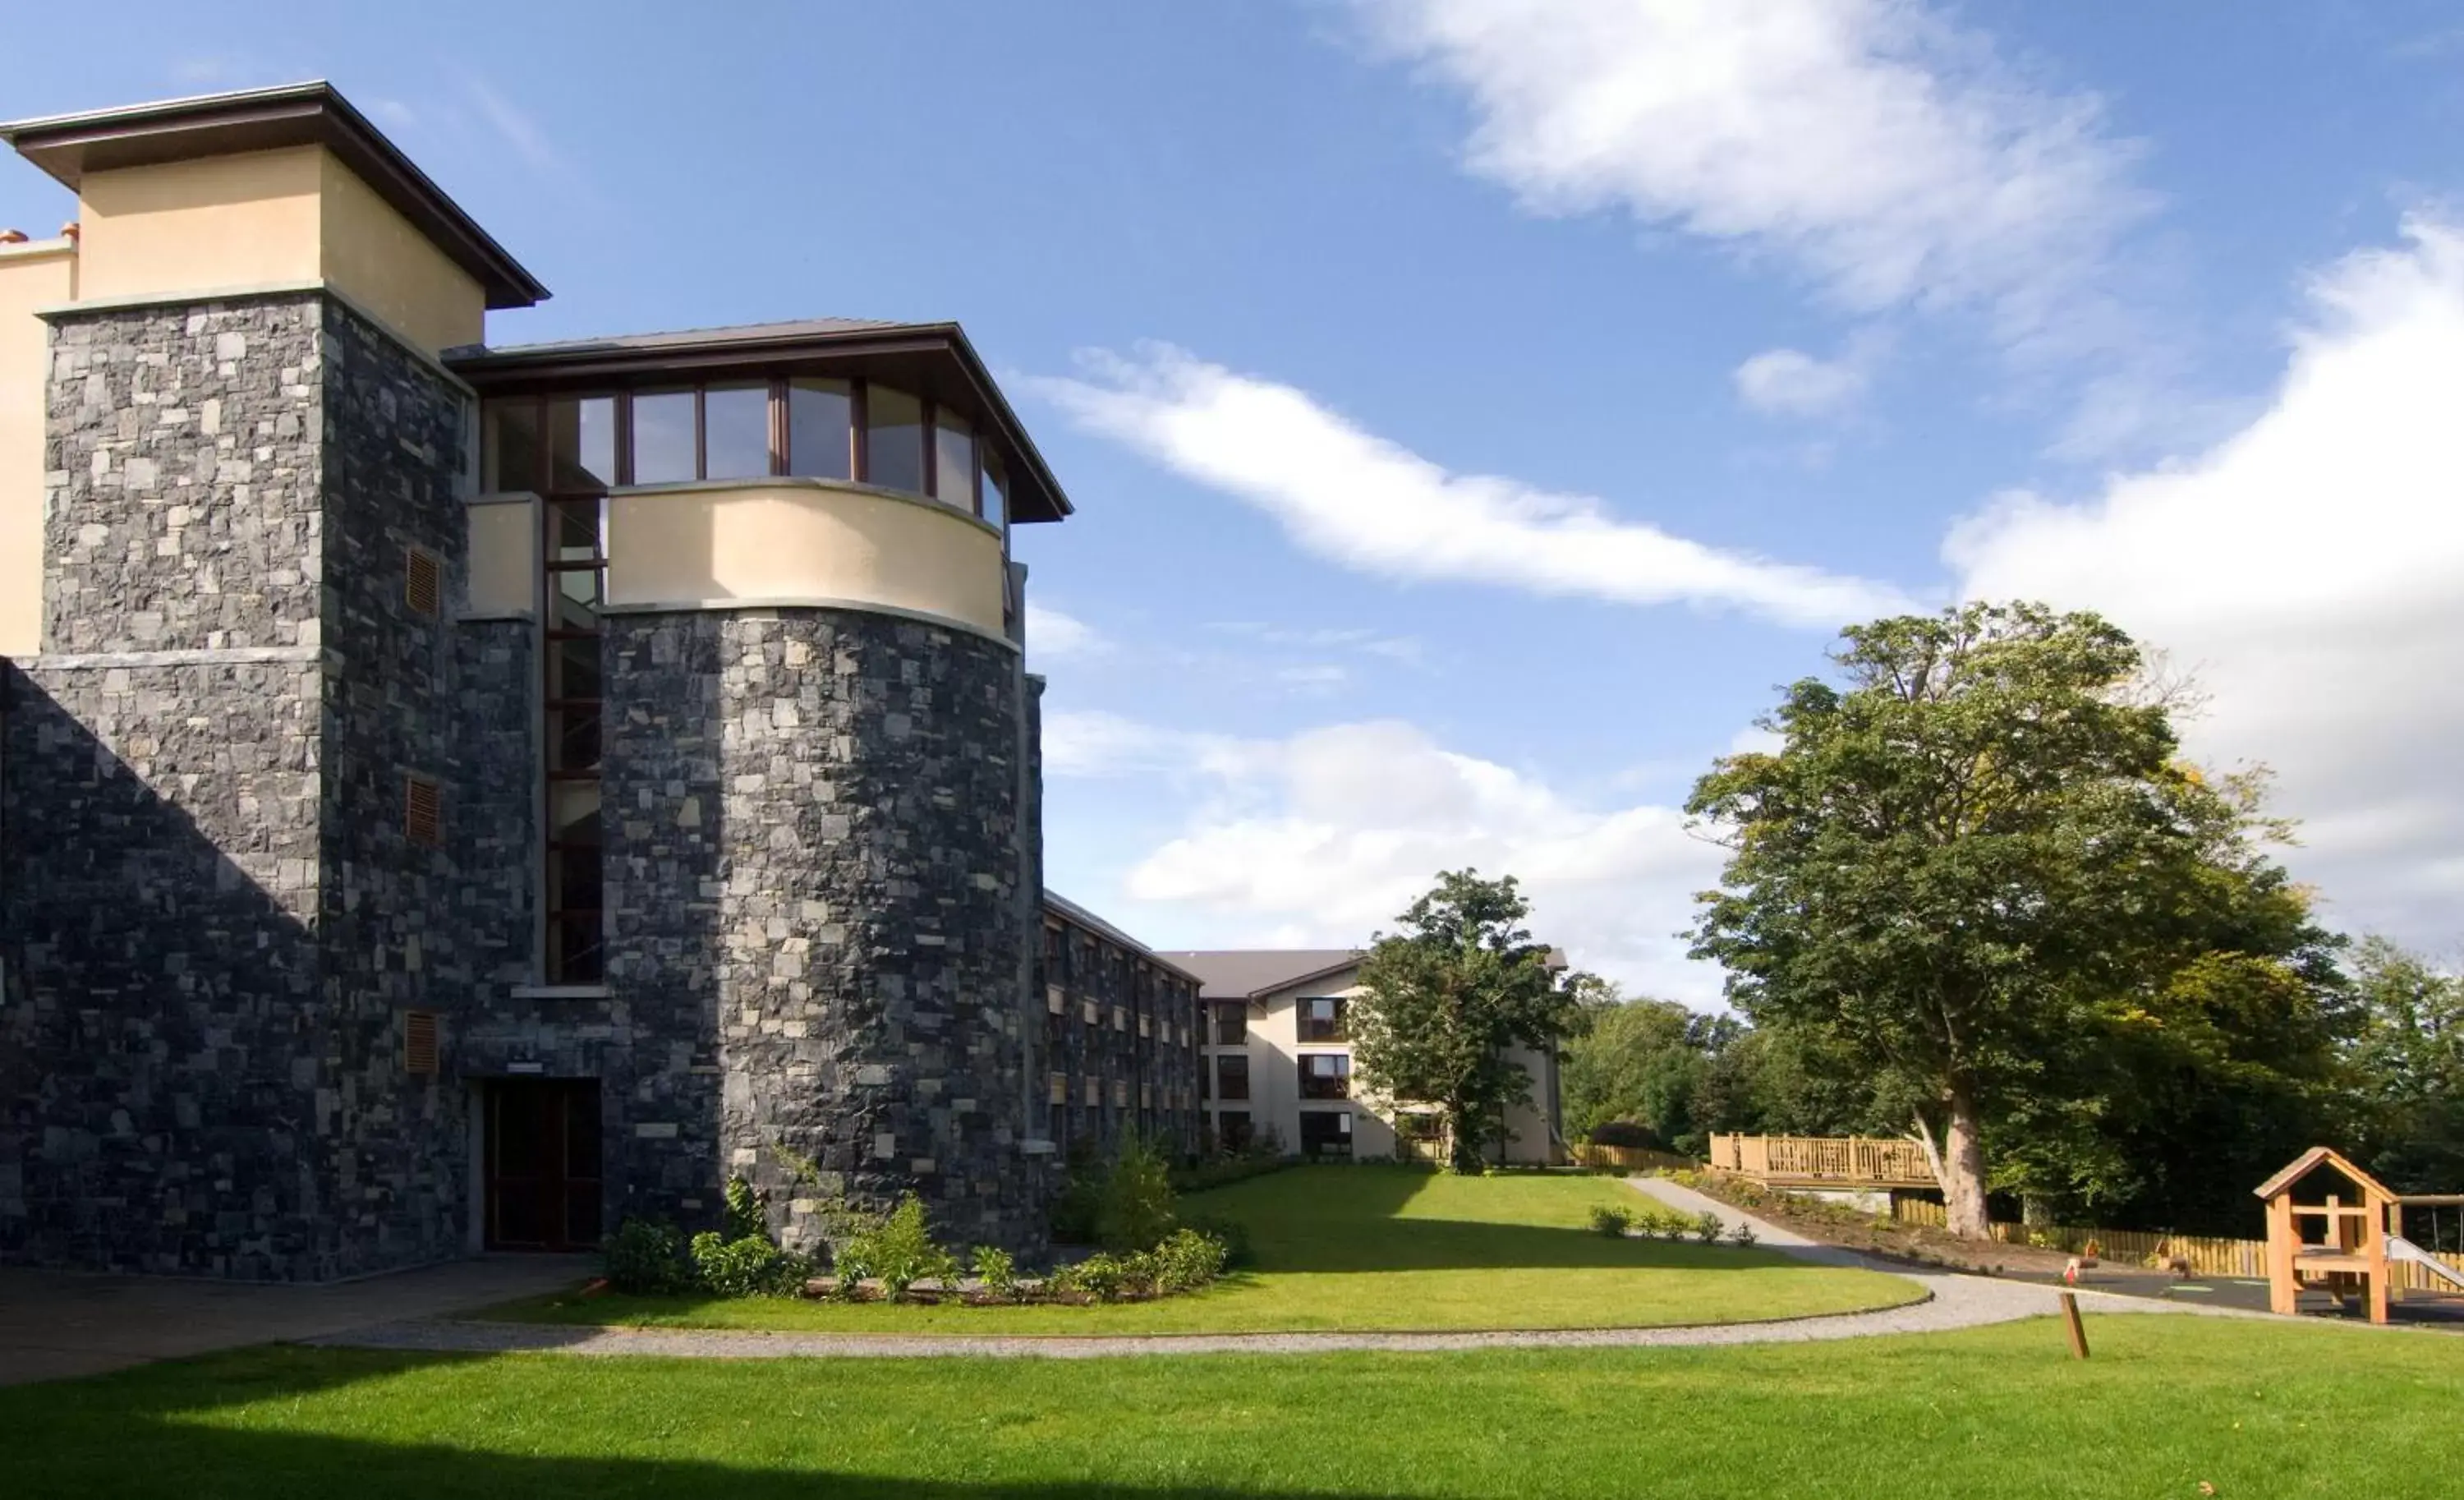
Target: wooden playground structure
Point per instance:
(2356, 1242)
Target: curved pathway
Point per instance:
(1953, 1301)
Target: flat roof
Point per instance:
(933, 359)
(68, 146)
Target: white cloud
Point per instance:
(1093, 744)
(1326, 836)
(1867, 144)
(1367, 504)
(1053, 632)
(2307, 569)
(1793, 383)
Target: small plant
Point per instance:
(1740, 1234)
(747, 1267)
(1611, 1222)
(1134, 1209)
(898, 1251)
(1188, 1260)
(998, 1269)
(747, 1217)
(1708, 1226)
(645, 1259)
(1098, 1277)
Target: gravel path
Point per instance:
(1954, 1301)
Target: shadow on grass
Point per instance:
(153, 1432)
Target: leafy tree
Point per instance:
(1650, 1064)
(1445, 999)
(1978, 870)
(2409, 1063)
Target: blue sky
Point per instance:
(1475, 407)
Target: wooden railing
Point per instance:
(1823, 1160)
(2206, 1255)
(1630, 1159)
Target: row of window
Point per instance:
(1059, 1090)
(1321, 1018)
(1323, 1076)
(857, 431)
(1324, 1133)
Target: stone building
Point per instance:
(457, 796)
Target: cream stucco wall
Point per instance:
(789, 541)
(504, 556)
(271, 218)
(375, 256)
(228, 221)
(1274, 1050)
(40, 275)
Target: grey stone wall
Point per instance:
(212, 917)
(835, 797)
(395, 931)
(164, 1064)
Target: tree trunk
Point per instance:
(1963, 1168)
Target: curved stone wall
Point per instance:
(813, 859)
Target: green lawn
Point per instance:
(2255, 1409)
(1367, 1248)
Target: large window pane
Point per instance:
(996, 491)
(819, 441)
(893, 439)
(581, 442)
(954, 461)
(510, 446)
(662, 437)
(735, 431)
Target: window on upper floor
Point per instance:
(1232, 1077)
(1231, 1022)
(1326, 1075)
(812, 427)
(1321, 1018)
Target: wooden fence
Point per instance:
(1631, 1159)
(1822, 1160)
(2208, 1255)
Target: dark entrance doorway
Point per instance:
(543, 1163)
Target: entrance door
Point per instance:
(543, 1166)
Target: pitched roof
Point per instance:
(1244, 973)
(2318, 1157)
(68, 146)
(1059, 905)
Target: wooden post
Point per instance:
(2077, 1330)
(2283, 1284)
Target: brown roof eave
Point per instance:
(68, 146)
(584, 360)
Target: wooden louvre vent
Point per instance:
(423, 813)
(419, 1043)
(423, 582)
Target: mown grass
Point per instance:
(1363, 1249)
(2168, 1403)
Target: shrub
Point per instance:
(645, 1259)
(898, 1251)
(1136, 1207)
(1661, 1222)
(1188, 1260)
(1099, 1277)
(998, 1269)
(1626, 1132)
(746, 1216)
(1230, 1233)
(747, 1267)
(1708, 1226)
(1611, 1222)
(1741, 1233)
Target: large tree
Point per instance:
(1445, 998)
(2408, 1067)
(1978, 865)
